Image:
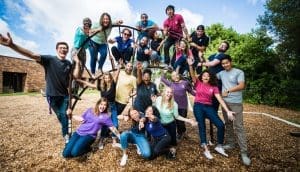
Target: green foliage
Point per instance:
(269, 75)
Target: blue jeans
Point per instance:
(138, 139)
(202, 111)
(182, 64)
(114, 118)
(78, 145)
(59, 104)
(94, 48)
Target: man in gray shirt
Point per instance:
(233, 83)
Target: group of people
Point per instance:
(157, 119)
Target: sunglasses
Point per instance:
(126, 34)
(87, 24)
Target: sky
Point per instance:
(38, 24)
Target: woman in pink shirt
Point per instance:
(206, 88)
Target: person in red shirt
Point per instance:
(174, 27)
(206, 88)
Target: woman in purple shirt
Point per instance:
(92, 120)
(179, 87)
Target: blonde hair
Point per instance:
(96, 107)
(170, 102)
(102, 85)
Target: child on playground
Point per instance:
(92, 120)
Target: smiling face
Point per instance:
(147, 78)
(168, 93)
(128, 68)
(227, 65)
(107, 78)
(175, 76)
(205, 77)
(62, 50)
(223, 47)
(170, 12)
(102, 106)
(149, 113)
(135, 115)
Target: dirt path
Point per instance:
(31, 141)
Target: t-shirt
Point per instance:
(79, 38)
(100, 37)
(126, 83)
(155, 44)
(231, 79)
(142, 25)
(135, 126)
(174, 26)
(57, 75)
(143, 97)
(179, 91)
(110, 94)
(155, 128)
(166, 115)
(216, 69)
(201, 41)
(205, 92)
(140, 54)
(122, 46)
(92, 123)
(180, 53)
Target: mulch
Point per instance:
(31, 141)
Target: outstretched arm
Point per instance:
(8, 42)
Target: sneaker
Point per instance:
(124, 159)
(173, 153)
(101, 145)
(67, 138)
(116, 145)
(246, 160)
(138, 151)
(220, 150)
(228, 146)
(208, 155)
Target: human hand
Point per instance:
(230, 115)
(193, 122)
(190, 61)
(6, 41)
(225, 93)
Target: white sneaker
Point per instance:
(67, 138)
(208, 155)
(116, 145)
(101, 145)
(220, 150)
(138, 151)
(246, 160)
(124, 160)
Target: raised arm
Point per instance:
(8, 42)
(192, 72)
(87, 83)
(116, 76)
(139, 73)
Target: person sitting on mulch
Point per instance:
(92, 120)
(135, 135)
